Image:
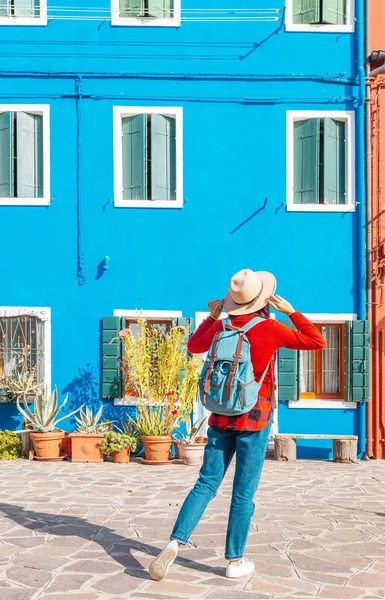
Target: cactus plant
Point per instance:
(88, 423)
(45, 411)
(192, 431)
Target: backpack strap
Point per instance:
(233, 368)
(252, 323)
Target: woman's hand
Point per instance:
(216, 307)
(281, 305)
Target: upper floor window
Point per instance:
(24, 155)
(23, 12)
(320, 161)
(158, 13)
(320, 15)
(148, 157)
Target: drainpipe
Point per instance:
(361, 210)
(369, 215)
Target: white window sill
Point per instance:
(24, 202)
(21, 21)
(128, 401)
(341, 404)
(320, 208)
(144, 22)
(319, 28)
(148, 203)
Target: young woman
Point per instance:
(251, 294)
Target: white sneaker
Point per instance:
(161, 565)
(245, 567)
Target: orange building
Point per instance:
(375, 156)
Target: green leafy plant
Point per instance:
(115, 442)
(45, 410)
(88, 423)
(192, 431)
(11, 446)
(19, 385)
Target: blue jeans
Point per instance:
(250, 449)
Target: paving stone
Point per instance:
(324, 577)
(334, 592)
(92, 566)
(66, 596)
(179, 589)
(118, 584)
(368, 580)
(235, 594)
(29, 577)
(36, 561)
(267, 586)
(307, 563)
(62, 583)
(18, 594)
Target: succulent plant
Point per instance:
(115, 442)
(20, 385)
(45, 411)
(192, 431)
(88, 423)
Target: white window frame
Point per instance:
(43, 313)
(35, 109)
(128, 111)
(326, 28)
(149, 315)
(116, 19)
(30, 21)
(348, 116)
(337, 318)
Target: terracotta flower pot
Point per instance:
(47, 445)
(157, 448)
(201, 439)
(121, 457)
(192, 454)
(66, 445)
(87, 447)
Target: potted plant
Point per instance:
(163, 375)
(191, 450)
(42, 425)
(10, 445)
(86, 442)
(118, 445)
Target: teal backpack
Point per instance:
(227, 385)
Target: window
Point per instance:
(320, 15)
(24, 155)
(320, 161)
(25, 343)
(158, 13)
(322, 371)
(23, 12)
(148, 157)
(335, 377)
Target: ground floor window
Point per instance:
(322, 371)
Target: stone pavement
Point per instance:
(88, 532)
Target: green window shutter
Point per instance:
(288, 372)
(134, 153)
(26, 8)
(334, 161)
(131, 8)
(306, 161)
(334, 12)
(306, 11)
(348, 361)
(112, 375)
(161, 9)
(163, 158)
(360, 363)
(29, 144)
(6, 155)
(5, 9)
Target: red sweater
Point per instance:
(265, 339)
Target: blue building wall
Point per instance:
(235, 82)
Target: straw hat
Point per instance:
(249, 291)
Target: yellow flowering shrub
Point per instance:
(162, 374)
